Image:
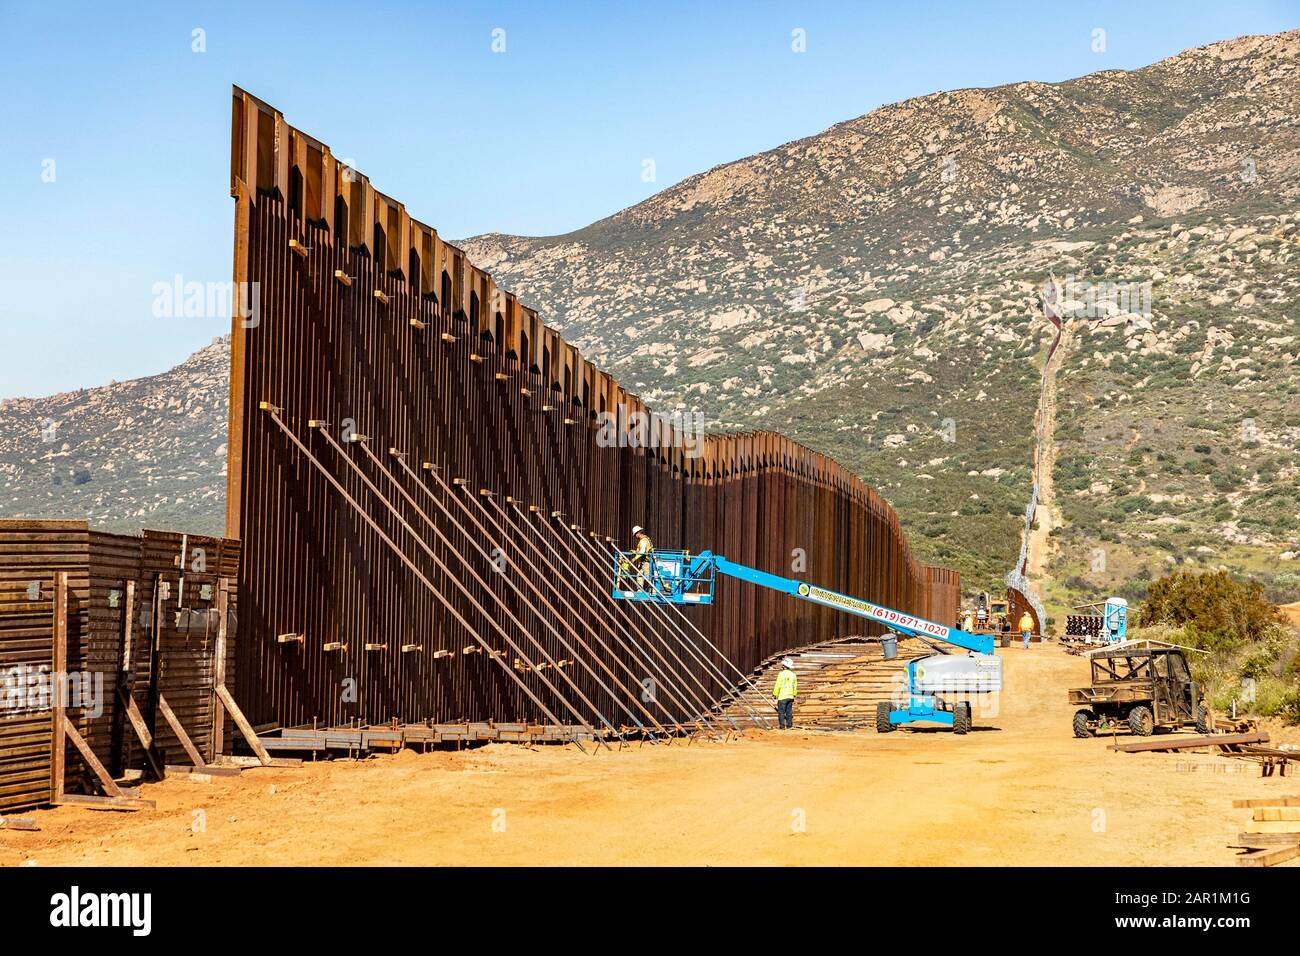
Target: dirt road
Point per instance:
(1291, 612)
(1046, 514)
(1021, 790)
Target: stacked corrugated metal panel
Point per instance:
(100, 566)
(179, 577)
(30, 554)
(368, 325)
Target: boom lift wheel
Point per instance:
(961, 717)
(1082, 718)
(883, 726)
(1141, 721)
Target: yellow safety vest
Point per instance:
(787, 685)
(1026, 622)
(644, 545)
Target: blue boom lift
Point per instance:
(679, 577)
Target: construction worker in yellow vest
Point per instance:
(785, 690)
(968, 622)
(643, 556)
(1026, 627)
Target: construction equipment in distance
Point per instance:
(991, 614)
(678, 577)
(1145, 688)
(1104, 622)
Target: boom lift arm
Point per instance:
(679, 577)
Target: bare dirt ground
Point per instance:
(1291, 612)
(1019, 791)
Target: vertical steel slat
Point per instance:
(331, 350)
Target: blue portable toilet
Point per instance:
(1114, 618)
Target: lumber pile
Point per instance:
(1274, 836)
(1235, 725)
(840, 684)
(1246, 743)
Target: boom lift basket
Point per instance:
(664, 577)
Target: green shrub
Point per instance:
(1242, 631)
(1217, 611)
(1288, 707)
(1258, 665)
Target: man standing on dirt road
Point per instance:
(1026, 627)
(785, 690)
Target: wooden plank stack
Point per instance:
(840, 683)
(1275, 834)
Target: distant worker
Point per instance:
(785, 690)
(1026, 627)
(642, 556)
(982, 615)
(968, 623)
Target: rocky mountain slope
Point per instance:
(874, 291)
(145, 453)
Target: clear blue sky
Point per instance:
(543, 138)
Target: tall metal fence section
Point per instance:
(142, 613)
(427, 483)
(944, 604)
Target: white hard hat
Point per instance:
(637, 529)
(787, 663)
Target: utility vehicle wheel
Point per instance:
(961, 718)
(1141, 721)
(1202, 719)
(883, 726)
(1082, 718)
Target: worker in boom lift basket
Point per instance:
(1026, 627)
(785, 690)
(643, 557)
